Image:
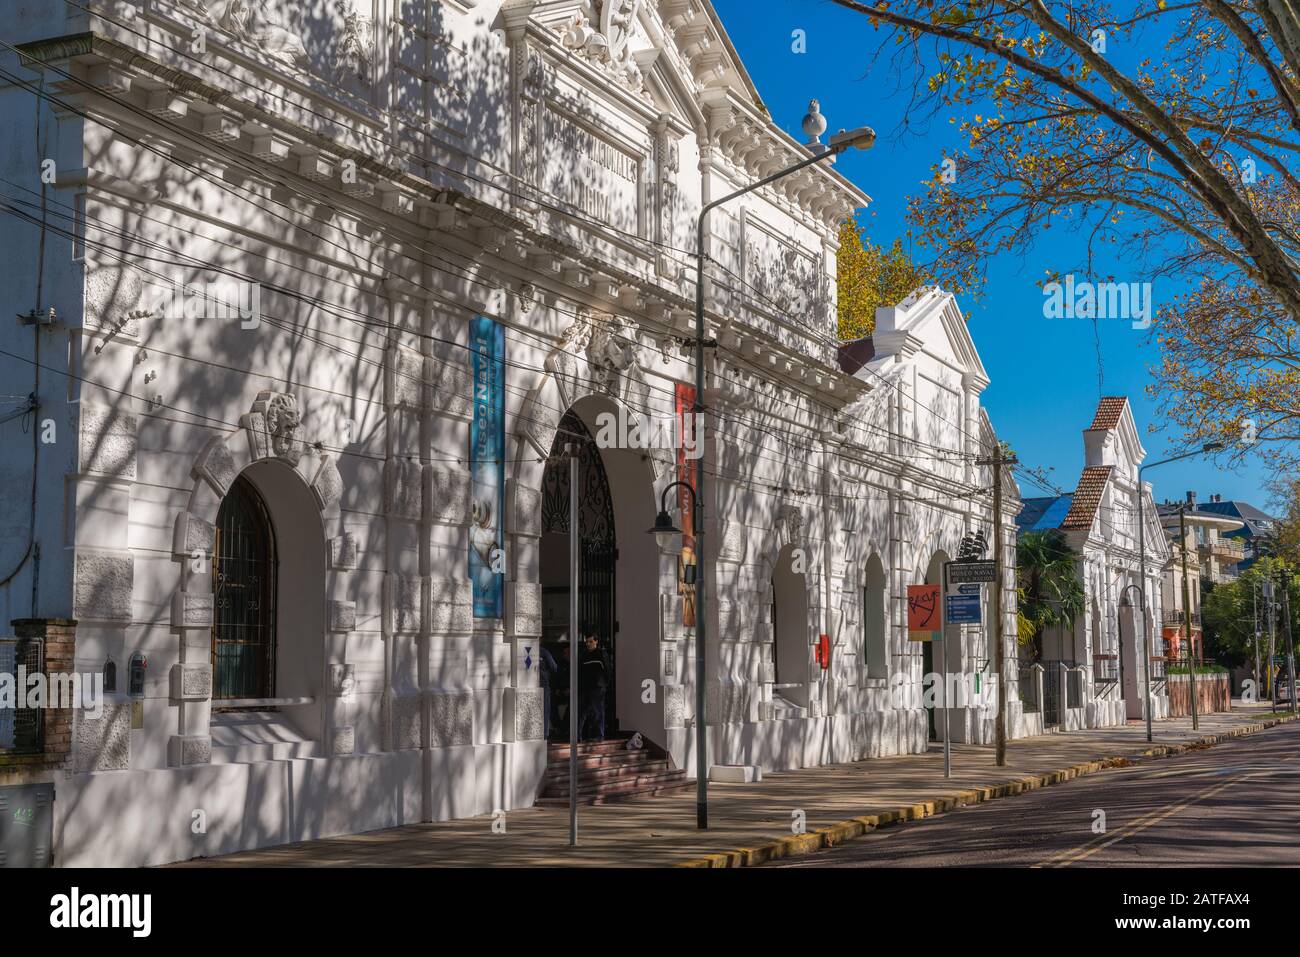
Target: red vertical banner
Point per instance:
(685, 398)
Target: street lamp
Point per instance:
(664, 530)
(863, 138)
(1208, 447)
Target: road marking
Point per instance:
(1141, 824)
(1155, 817)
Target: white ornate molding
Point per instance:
(608, 48)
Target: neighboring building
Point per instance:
(1199, 537)
(1100, 654)
(1258, 529)
(321, 541)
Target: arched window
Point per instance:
(244, 573)
(875, 623)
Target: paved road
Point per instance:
(1235, 804)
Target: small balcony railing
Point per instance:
(1175, 619)
(1231, 551)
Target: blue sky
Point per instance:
(1044, 371)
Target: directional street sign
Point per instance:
(961, 603)
(961, 609)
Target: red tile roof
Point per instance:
(1109, 409)
(1092, 483)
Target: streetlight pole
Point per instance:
(862, 138)
(1270, 609)
(999, 642)
(1290, 646)
(1187, 617)
(1142, 563)
(1254, 598)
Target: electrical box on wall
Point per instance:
(26, 825)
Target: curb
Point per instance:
(854, 827)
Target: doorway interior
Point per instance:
(597, 564)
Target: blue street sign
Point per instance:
(962, 609)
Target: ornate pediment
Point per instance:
(607, 43)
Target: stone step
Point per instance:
(556, 752)
(593, 776)
(591, 761)
(643, 786)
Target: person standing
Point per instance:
(547, 671)
(593, 679)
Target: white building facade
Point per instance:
(1098, 661)
(331, 295)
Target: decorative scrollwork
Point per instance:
(595, 505)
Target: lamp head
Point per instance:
(863, 138)
(664, 530)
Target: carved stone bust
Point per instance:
(273, 426)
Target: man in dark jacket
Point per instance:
(593, 679)
(548, 671)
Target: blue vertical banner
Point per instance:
(488, 467)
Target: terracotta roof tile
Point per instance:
(1109, 409)
(1092, 483)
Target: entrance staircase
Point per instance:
(608, 772)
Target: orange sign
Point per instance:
(924, 613)
(685, 396)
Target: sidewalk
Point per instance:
(749, 822)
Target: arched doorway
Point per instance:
(948, 658)
(790, 621)
(244, 570)
(598, 562)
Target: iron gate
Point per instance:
(244, 571)
(1051, 693)
(599, 551)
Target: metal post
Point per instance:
(1272, 640)
(999, 639)
(572, 450)
(862, 139)
(1290, 647)
(701, 578)
(1142, 591)
(1254, 599)
(943, 675)
(1187, 617)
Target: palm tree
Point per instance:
(1047, 585)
